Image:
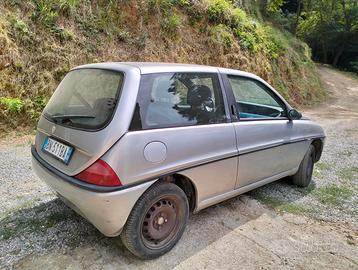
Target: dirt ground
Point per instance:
(274, 227)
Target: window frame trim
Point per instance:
(142, 96)
(235, 116)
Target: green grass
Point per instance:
(333, 195)
(283, 207)
(293, 208)
(345, 153)
(320, 168)
(349, 173)
(27, 204)
(31, 225)
(307, 190)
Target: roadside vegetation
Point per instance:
(330, 27)
(42, 40)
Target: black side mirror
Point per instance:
(294, 114)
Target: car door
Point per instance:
(181, 125)
(263, 131)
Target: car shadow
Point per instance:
(281, 192)
(52, 232)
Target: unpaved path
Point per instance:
(275, 227)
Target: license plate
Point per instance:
(58, 150)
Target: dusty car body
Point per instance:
(213, 132)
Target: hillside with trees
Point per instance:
(41, 40)
(330, 27)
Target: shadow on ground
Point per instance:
(53, 229)
(281, 193)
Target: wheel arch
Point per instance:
(318, 145)
(186, 184)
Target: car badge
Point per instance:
(53, 129)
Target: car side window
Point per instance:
(255, 100)
(179, 99)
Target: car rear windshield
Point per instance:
(85, 98)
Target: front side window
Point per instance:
(254, 100)
(85, 98)
(179, 99)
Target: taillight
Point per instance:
(100, 173)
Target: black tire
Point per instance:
(303, 176)
(157, 221)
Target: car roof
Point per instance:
(157, 67)
(160, 67)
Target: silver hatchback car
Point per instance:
(134, 147)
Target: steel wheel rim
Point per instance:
(161, 222)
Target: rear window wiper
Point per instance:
(71, 116)
(64, 117)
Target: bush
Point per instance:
(219, 11)
(252, 35)
(183, 3)
(66, 34)
(11, 105)
(196, 10)
(171, 24)
(14, 109)
(34, 108)
(354, 66)
(238, 17)
(287, 21)
(221, 35)
(20, 29)
(276, 43)
(163, 5)
(46, 13)
(247, 40)
(67, 6)
(19, 25)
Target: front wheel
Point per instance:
(157, 221)
(303, 176)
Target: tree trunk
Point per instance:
(338, 55)
(298, 14)
(263, 7)
(324, 50)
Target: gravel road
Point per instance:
(277, 226)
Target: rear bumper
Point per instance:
(107, 211)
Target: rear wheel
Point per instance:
(303, 176)
(157, 221)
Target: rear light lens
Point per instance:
(100, 173)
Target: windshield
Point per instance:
(85, 98)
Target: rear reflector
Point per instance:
(100, 173)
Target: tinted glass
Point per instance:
(254, 100)
(179, 99)
(86, 98)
